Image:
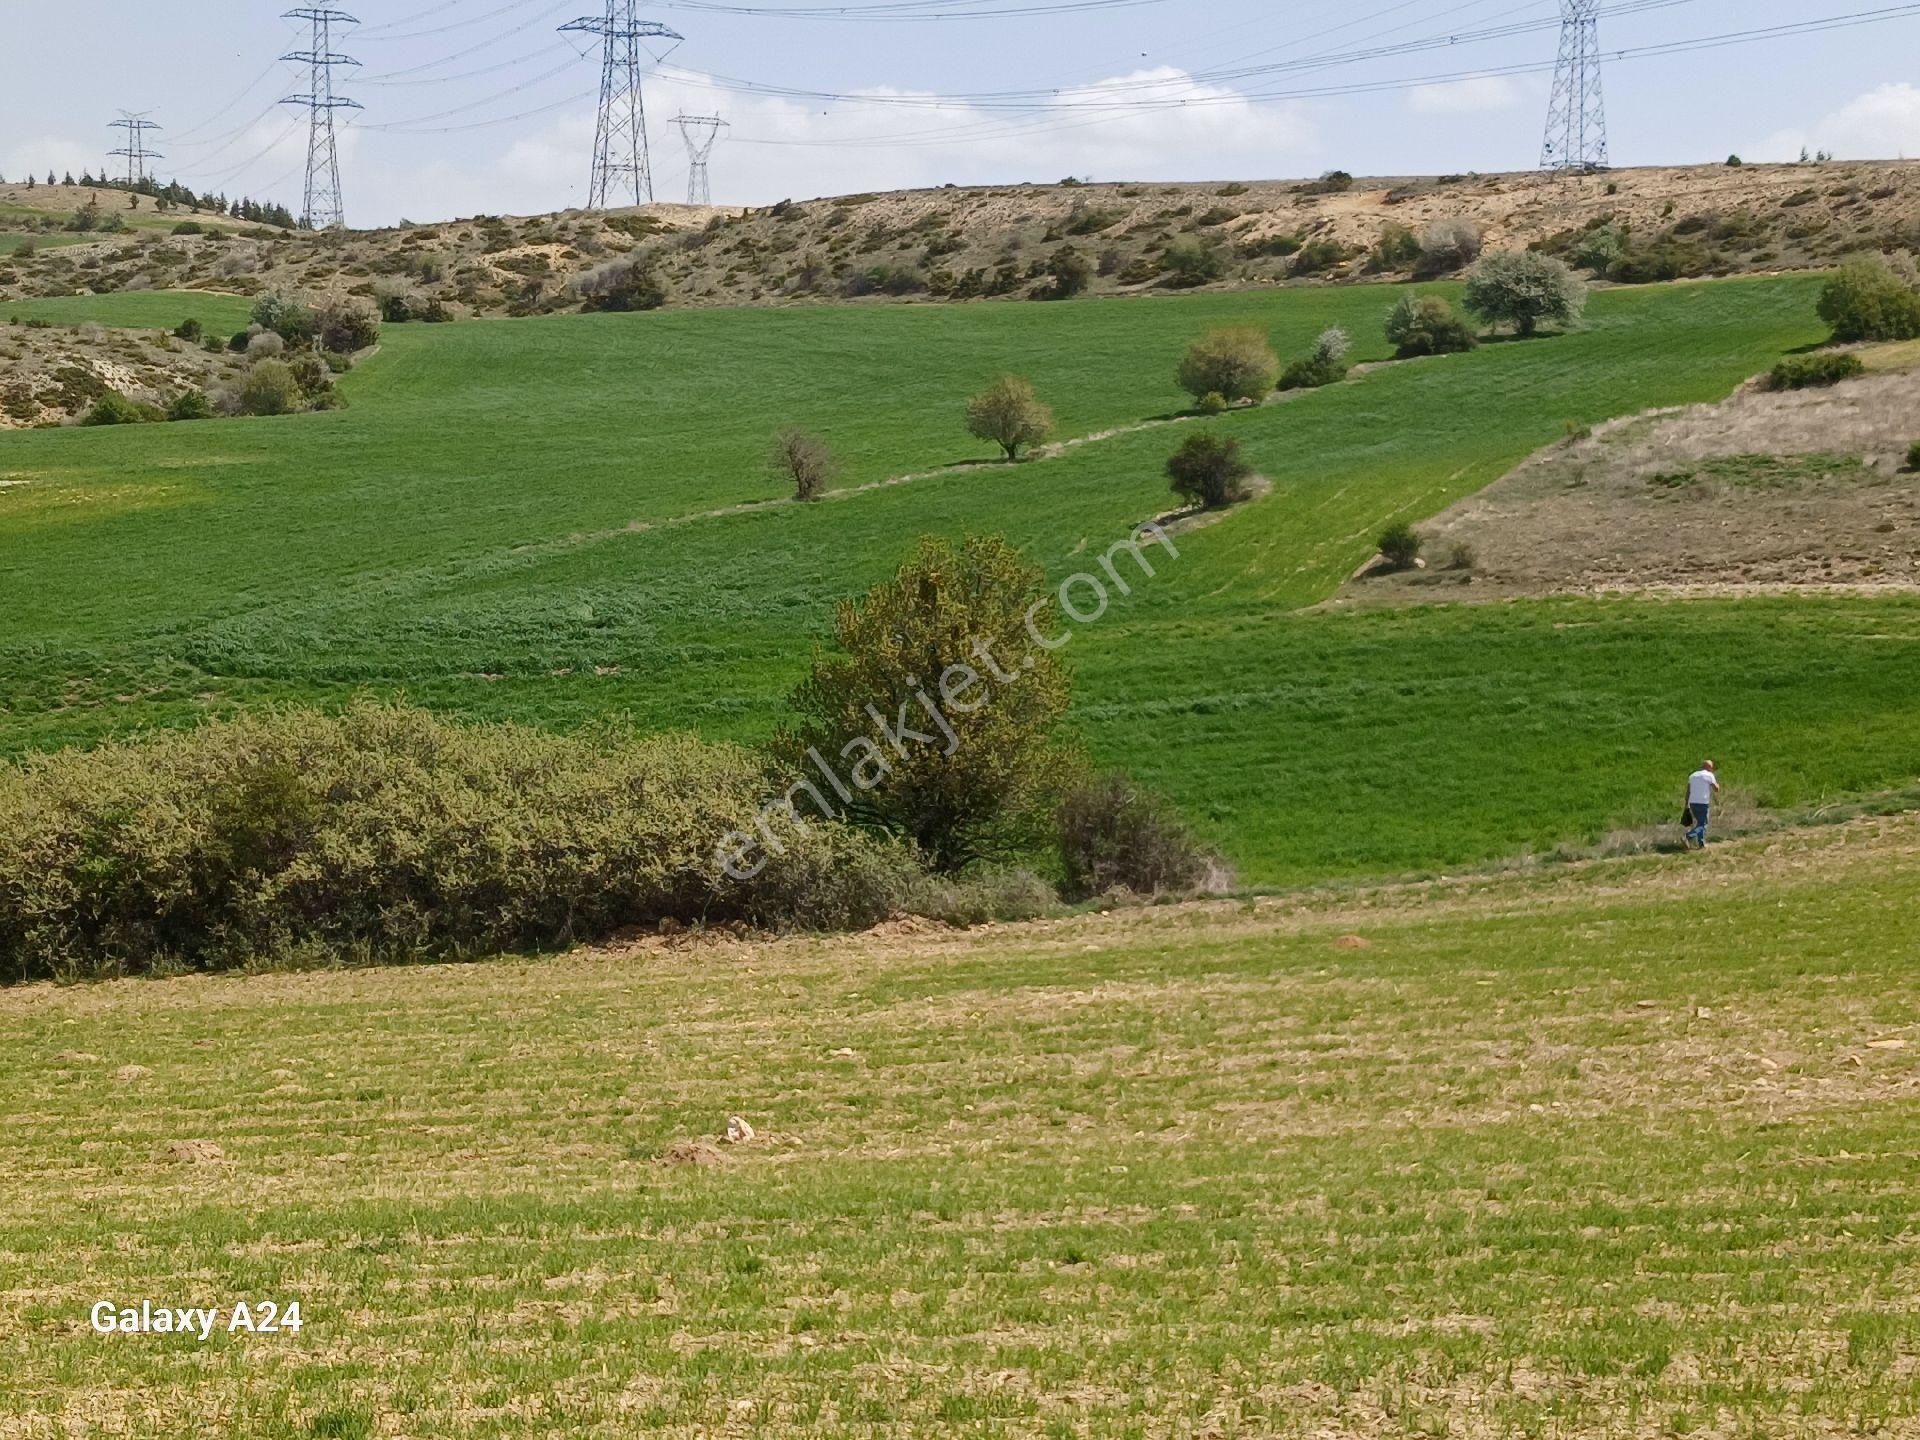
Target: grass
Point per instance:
(137, 310)
(1618, 1150)
(518, 519)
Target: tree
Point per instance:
(1236, 363)
(1866, 300)
(1426, 325)
(1401, 544)
(1209, 471)
(1524, 288)
(940, 651)
(1008, 413)
(803, 460)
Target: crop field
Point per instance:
(558, 519)
(1623, 1148)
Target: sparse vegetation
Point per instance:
(804, 461)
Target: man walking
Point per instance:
(1702, 786)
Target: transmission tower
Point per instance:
(699, 131)
(620, 159)
(135, 151)
(1577, 118)
(322, 208)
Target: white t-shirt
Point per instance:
(1700, 787)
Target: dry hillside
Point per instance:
(958, 243)
(51, 375)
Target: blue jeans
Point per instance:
(1697, 815)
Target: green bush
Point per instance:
(1398, 248)
(192, 331)
(385, 834)
(348, 326)
(1113, 836)
(1069, 273)
(1316, 257)
(190, 405)
(113, 408)
(1400, 544)
(622, 286)
(189, 227)
(289, 317)
(1913, 456)
(1190, 261)
(1807, 372)
(1427, 325)
(1214, 403)
(270, 388)
(1237, 363)
(1311, 372)
(921, 642)
(1524, 289)
(1866, 300)
(1208, 470)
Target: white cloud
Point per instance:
(1882, 124)
(1474, 96)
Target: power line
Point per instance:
(135, 151)
(620, 157)
(699, 131)
(323, 208)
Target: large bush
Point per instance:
(348, 326)
(1809, 372)
(1010, 415)
(1525, 289)
(1238, 364)
(1866, 300)
(1191, 261)
(269, 388)
(945, 640)
(113, 408)
(287, 316)
(1209, 471)
(620, 286)
(1427, 325)
(386, 834)
(1447, 246)
(1113, 835)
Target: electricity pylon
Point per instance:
(1577, 118)
(135, 151)
(620, 158)
(322, 209)
(699, 131)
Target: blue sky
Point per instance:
(479, 106)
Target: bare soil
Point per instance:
(53, 376)
(1797, 491)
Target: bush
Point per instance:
(987, 791)
(269, 388)
(621, 286)
(189, 227)
(190, 405)
(1209, 471)
(1190, 261)
(1807, 372)
(113, 408)
(1398, 248)
(1400, 544)
(1426, 325)
(1316, 257)
(192, 331)
(1069, 273)
(385, 834)
(265, 345)
(1866, 300)
(1238, 364)
(1311, 373)
(348, 326)
(1525, 288)
(290, 318)
(1115, 836)
(1599, 249)
(803, 461)
(1214, 403)
(1009, 414)
(1913, 456)
(1447, 246)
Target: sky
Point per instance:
(483, 107)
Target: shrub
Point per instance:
(1316, 257)
(1427, 325)
(1333, 182)
(269, 388)
(804, 461)
(1599, 248)
(1447, 246)
(1524, 288)
(1069, 273)
(1806, 372)
(1400, 544)
(265, 345)
(113, 408)
(1311, 373)
(621, 286)
(1010, 415)
(1190, 261)
(383, 833)
(190, 405)
(348, 326)
(192, 331)
(986, 792)
(1398, 248)
(1913, 456)
(189, 227)
(1238, 364)
(1866, 300)
(1113, 835)
(1208, 470)
(1214, 403)
(288, 317)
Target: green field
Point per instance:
(517, 519)
(139, 310)
(1618, 1150)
